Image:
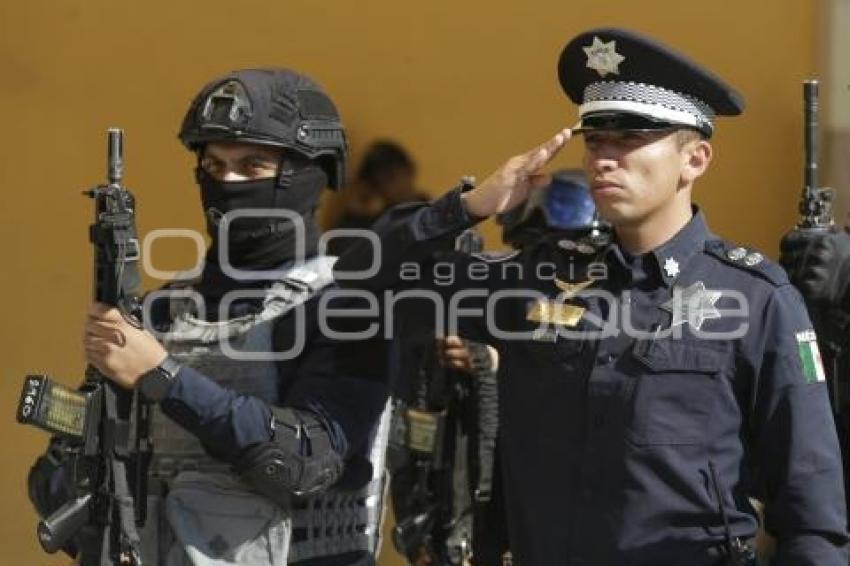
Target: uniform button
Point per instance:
(599, 420)
(586, 494)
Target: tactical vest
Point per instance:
(208, 511)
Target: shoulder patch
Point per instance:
(747, 259)
(496, 256)
(807, 346)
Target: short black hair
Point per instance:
(383, 156)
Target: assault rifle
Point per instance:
(450, 415)
(816, 217)
(91, 425)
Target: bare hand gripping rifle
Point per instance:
(105, 480)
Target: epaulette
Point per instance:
(747, 259)
(496, 256)
(579, 247)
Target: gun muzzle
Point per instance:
(115, 152)
(810, 129)
(55, 531)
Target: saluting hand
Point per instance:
(122, 352)
(512, 182)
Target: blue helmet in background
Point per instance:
(563, 206)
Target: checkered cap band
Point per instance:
(649, 100)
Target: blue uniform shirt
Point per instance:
(633, 425)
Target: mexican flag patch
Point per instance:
(807, 345)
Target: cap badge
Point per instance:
(603, 57)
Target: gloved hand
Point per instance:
(818, 264)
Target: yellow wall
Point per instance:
(463, 84)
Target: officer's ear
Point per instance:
(696, 152)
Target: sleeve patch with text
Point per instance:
(807, 346)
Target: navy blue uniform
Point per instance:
(629, 447)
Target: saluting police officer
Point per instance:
(249, 441)
(656, 386)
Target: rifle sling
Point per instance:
(128, 535)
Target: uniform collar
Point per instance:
(667, 261)
(672, 256)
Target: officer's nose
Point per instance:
(597, 163)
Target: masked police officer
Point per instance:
(656, 386)
(263, 422)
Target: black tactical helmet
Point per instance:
(276, 107)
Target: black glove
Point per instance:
(818, 264)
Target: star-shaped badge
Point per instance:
(603, 57)
(693, 304)
(671, 267)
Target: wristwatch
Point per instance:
(156, 383)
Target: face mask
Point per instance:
(267, 241)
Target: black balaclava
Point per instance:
(256, 243)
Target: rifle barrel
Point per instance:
(115, 141)
(810, 125)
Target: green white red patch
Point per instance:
(807, 346)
